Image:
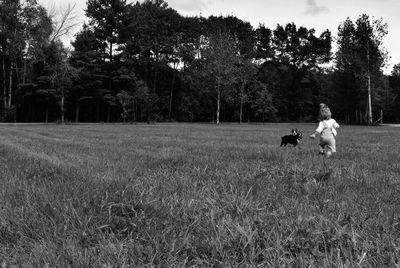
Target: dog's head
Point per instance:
(297, 134)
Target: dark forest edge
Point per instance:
(144, 62)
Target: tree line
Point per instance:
(144, 62)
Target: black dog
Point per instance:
(294, 138)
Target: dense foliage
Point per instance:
(146, 62)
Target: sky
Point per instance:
(317, 14)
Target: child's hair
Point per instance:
(324, 112)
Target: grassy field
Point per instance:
(197, 195)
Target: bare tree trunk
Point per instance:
(4, 85)
(241, 109)
(357, 117)
(124, 113)
(98, 109)
(24, 73)
(134, 110)
(10, 86)
(171, 93)
(369, 105)
(108, 113)
(77, 111)
(62, 105)
(147, 113)
(241, 102)
(218, 101)
(17, 71)
(360, 116)
(155, 78)
(111, 48)
(32, 112)
(24, 56)
(47, 114)
(369, 100)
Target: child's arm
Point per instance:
(336, 125)
(318, 130)
(312, 136)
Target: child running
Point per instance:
(327, 131)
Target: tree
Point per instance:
(12, 45)
(263, 43)
(220, 59)
(38, 28)
(125, 99)
(360, 53)
(25, 27)
(57, 75)
(106, 21)
(299, 47)
(87, 58)
(245, 75)
(151, 40)
(106, 16)
(145, 61)
(290, 54)
(396, 70)
(263, 102)
(62, 23)
(393, 96)
(241, 32)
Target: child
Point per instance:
(327, 130)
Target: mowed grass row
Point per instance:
(197, 195)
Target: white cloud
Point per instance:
(314, 9)
(188, 5)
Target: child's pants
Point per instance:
(327, 144)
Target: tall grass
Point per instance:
(197, 195)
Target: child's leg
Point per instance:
(330, 147)
(321, 147)
(324, 166)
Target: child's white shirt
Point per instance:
(331, 123)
